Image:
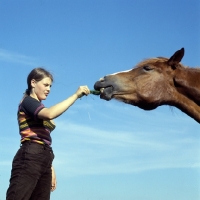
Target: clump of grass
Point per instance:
(95, 92)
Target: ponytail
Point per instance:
(27, 92)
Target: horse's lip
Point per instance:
(106, 93)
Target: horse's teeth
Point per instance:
(102, 90)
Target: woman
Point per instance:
(32, 173)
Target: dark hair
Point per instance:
(38, 74)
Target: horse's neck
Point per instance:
(187, 106)
(187, 82)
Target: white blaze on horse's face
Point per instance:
(101, 79)
(121, 72)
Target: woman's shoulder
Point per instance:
(30, 106)
(29, 99)
(30, 102)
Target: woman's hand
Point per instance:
(53, 181)
(82, 90)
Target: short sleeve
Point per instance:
(31, 106)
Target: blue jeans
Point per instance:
(31, 173)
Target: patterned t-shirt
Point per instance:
(30, 126)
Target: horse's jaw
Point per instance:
(109, 93)
(135, 102)
(110, 90)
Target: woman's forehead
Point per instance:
(47, 80)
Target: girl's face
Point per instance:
(41, 89)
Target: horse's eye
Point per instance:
(147, 68)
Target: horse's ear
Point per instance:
(176, 58)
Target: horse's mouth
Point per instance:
(106, 93)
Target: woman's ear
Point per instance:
(33, 83)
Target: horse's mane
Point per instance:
(156, 60)
(159, 60)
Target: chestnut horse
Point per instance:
(155, 82)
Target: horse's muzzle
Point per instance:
(106, 91)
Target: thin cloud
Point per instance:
(86, 150)
(14, 57)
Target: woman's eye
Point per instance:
(147, 68)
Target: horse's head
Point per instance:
(148, 85)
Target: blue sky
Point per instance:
(103, 150)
